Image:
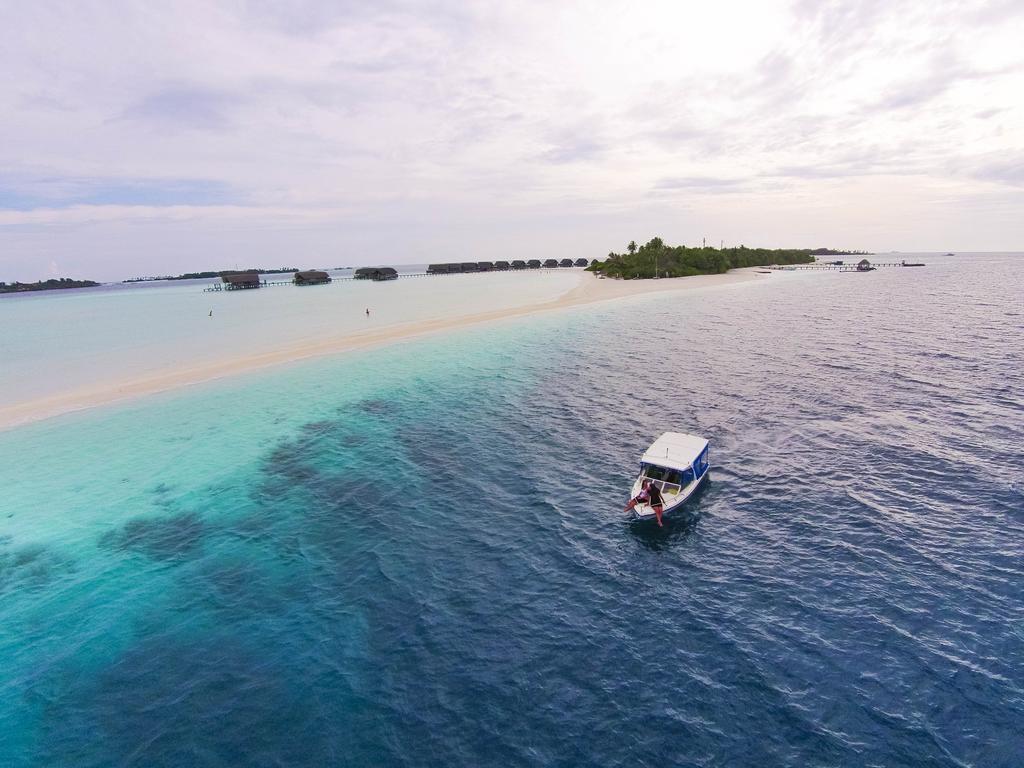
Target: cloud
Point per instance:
(1002, 169)
(708, 184)
(184, 106)
(574, 151)
(435, 117)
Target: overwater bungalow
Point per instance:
(565, 263)
(443, 269)
(581, 262)
(470, 266)
(533, 264)
(239, 280)
(549, 263)
(864, 266)
(311, 277)
(376, 273)
(518, 264)
(485, 266)
(501, 266)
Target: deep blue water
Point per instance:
(417, 556)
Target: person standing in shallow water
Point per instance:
(651, 494)
(367, 311)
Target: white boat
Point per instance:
(677, 464)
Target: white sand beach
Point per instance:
(589, 290)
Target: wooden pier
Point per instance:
(218, 287)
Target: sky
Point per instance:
(157, 138)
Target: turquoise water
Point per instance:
(416, 555)
(64, 341)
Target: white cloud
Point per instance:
(404, 126)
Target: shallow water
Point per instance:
(56, 342)
(417, 555)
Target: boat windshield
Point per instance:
(670, 481)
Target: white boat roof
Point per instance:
(675, 450)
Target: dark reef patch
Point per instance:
(30, 567)
(161, 538)
(378, 406)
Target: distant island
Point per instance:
(221, 273)
(46, 285)
(655, 259)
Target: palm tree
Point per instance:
(631, 247)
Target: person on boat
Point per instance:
(650, 494)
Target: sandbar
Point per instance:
(590, 290)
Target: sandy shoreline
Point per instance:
(591, 290)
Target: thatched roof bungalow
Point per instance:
(485, 266)
(239, 280)
(311, 277)
(443, 269)
(551, 263)
(470, 266)
(533, 264)
(518, 264)
(376, 273)
(565, 263)
(581, 262)
(501, 266)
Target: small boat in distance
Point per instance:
(677, 464)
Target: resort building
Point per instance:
(237, 281)
(376, 273)
(311, 277)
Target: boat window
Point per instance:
(654, 473)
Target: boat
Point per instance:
(677, 463)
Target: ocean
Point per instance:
(417, 555)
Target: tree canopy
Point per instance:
(654, 258)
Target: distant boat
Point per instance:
(951, 254)
(764, 271)
(677, 464)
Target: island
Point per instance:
(46, 285)
(655, 259)
(221, 273)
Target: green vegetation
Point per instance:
(657, 259)
(46, 285)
